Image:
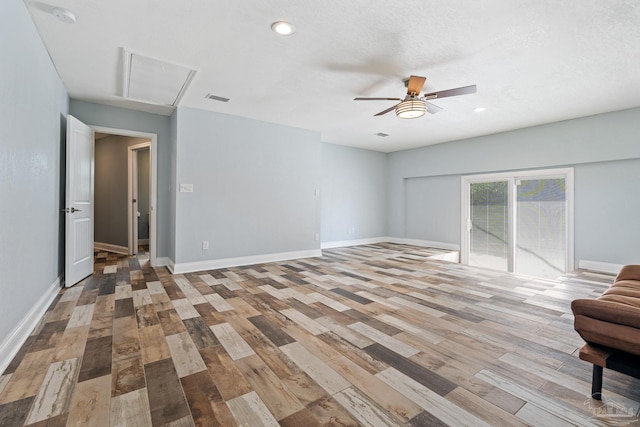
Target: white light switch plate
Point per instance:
(186, 188)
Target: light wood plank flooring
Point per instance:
(376, 335)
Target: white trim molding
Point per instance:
(397, 240)
(424, 243)
(355, 242)
(16, 338)
(602, 267)
(213, 264)
(111, 248)
(164, 262)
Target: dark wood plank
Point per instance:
(15, 413)
(124, 308)
(166, 398)
(424, 376)
(354, 297)
(96, 362)
(276, 335)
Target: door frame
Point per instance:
(153, 183)
(512, 179)
(132, 193)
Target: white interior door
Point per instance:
(79, 202)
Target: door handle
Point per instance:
(72, 210)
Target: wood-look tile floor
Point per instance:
(375, 335)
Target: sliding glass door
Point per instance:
(489, 225)
(520, 222)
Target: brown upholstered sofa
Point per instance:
(610, 324)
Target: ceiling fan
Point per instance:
(413, 105)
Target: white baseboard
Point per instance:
(163, 262)
(213, 264)
(424, 243)
(111, 248)
(603, 267)
(12, 343)
(355, 242)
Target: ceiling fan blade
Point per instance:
(451, 92)
(415, 84)
(386, 111)
(377, 99)
(432, 108)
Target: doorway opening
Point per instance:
(519, 222)
(126, 213)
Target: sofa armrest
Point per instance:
(629, 272)
(609, 311)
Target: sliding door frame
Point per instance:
(512, 179)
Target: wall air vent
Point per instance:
(153, 80)
(217, 98)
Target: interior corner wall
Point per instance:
(255, 187)
(33, 110)
(600, 148)
(354, 194)
(122, 118)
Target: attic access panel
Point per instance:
(155, 81)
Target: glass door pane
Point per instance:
(541, 230)
(489, 234)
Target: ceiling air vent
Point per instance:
(153, 80)
(217, 98)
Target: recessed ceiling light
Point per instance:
(65, 15)
(480, 109)
(283, 28)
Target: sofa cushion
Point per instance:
(629, 272)
(613, 319)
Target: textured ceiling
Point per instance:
(534, 62)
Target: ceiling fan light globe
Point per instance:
(411, 108)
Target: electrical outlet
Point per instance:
(205, 245)
(316, 237)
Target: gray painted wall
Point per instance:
(599, 147)
(33, 109)
(144, 168)
(607, 205)
(111, 189)
(254, 187)
(354, 193)
(120, 118)
(425, 217)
